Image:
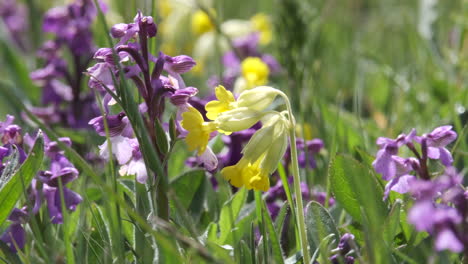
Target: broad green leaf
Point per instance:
(186, 186)
(320, 224)
(354, 186)
(12, 190)
(229, 213)
(358, 191)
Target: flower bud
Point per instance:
(275, 153)
(119, 30)
(179, 64)
(258, 98)
(238, 119)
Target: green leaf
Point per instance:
(161, 137)
(280, 219)
(320, 224)
(354, 186)
(186, 186)
(273, 238)
(392, 222)
(229, 214)
(11, 191)
(10, 168)
(18, 71)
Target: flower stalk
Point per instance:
(297, 183)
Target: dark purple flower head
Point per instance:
(104, 55)
(66, 174)
(146, 25)
(119, 30)
(178, 64)
(117, 124)
(181, 96)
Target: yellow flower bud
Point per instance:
(238, 119)
(258, 98)
(274, 131)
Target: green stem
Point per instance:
(297, 183)
(65, 227)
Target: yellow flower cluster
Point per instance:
(255, 72)
(266, 147)
(201, 23)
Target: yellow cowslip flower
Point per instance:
(249, 175)
(255, 72)
(261, 155)
(198, 130)
(261, 23)
(226, 102)
(201, 23)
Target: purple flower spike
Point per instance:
(178, 64)
(437, 140)
(119, 30)
(384, 163)
(401, 182)
(181, 97)
(147, 25)
(117, 124)
(101, 76)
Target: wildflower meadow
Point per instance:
(220, 131)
